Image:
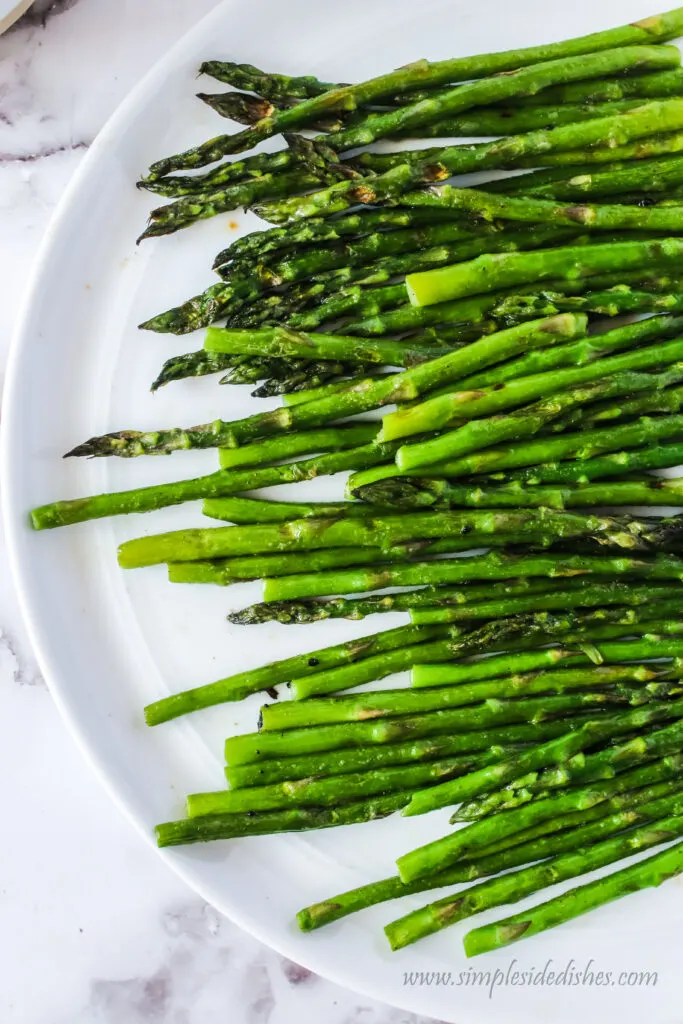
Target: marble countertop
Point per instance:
(94, 928)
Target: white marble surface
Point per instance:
(94, 929)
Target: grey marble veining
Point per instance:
(94, 929)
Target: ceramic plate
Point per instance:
(109, 642)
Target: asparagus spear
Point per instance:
(522, 422)
(529, 631)
(561, 751)
(657, 84)
(458, 570)
(238, 106)
(344, 762)
(238, 294)
(427, 166)
(514, 119)
(327, 439)
(657, 175)
(224, 571)
(574, 355)
(275, 87)
(442, 853)
(359, 251)
(309, 534)
(282, 342)
(607, 593)
(246, 511)
(577, 769)
(439, 411)
(293, 819)
(145, 499)
(655, 457)
(646, 873)
(511, 664)
(434, 604)
(191, 364)
(249, 747)
(622, 811)
(326, 792)
(668, 399)
(186, 210)
(238, 171)
(383, 391)
(241, 685)
(525, 81)
(293, 714)
(312, 232)
(662, 143)
(599, 217)
(442, 494)
(516, 886)
(582, 446)
(486, 275)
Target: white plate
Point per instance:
(110, 642)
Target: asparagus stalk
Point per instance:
(622, 811)
(145, 499)
(597, 346)
(668, 399)
(646, 873)
(191, 364)
(427, 166)
(345, 762)
(661, 143)
(435, 604)
(251, 746)
(516, 886)
(515, 663)
(237, 295)
(313, 232)
(432, 414)
(282, 342)
(583, 446)
(525, 81)
(327, 439)
(598, 217)
(246, 511)
(264, 678)
(655, 457)
(442, 494)
(657, 175)
(390, 703)
(236, 172)
(562, 751)
(606, 593)
(444, 852)
(383, 391)
(225, 571)
(298, 266)
(308, 534)
(188, 209)
(657, 84)
(293, 819)
(486, 275)
(526, 421)
(274, 86)
(577, 769)
(531, 631)
(327, 792)
(511, 303)
(490, 566)
(514, 119)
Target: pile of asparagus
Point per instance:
(545, 640)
